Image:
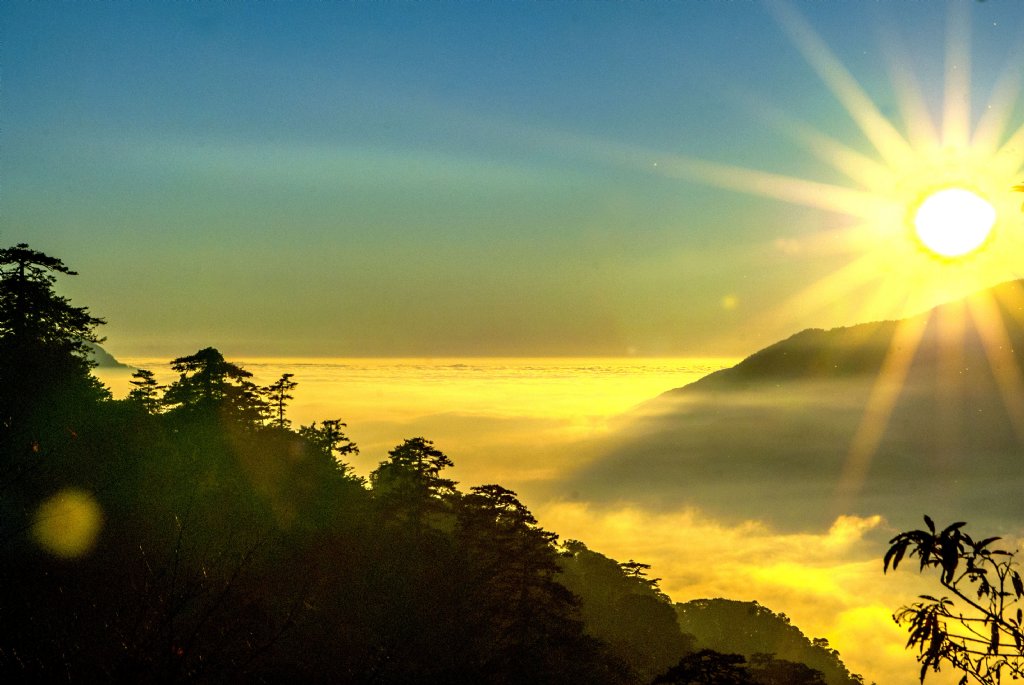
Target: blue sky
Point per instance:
(443, 178)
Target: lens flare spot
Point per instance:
(68, 523)
(954, 222)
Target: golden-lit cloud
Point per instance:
(829, 582)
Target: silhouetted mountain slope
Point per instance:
(812, 353)
(895, 417)
(103, 358)
(626, 610)
(860, 350)
(748, 628)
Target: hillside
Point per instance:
(749, 628)
(894, 417)
(104, 359)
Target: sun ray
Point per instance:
(1010, 157)
(833, 198)
(956, 121)
(889, 143)
(836, 286)
(813, 194)
(859, 168)
(1010, 298)
(995, 340)
(920, 126)
(951, 324)
(995, 119)
(881, 402)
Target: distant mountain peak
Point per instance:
(104, 359)
(861, 349)
(890, 418)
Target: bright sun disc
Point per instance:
(954, 221)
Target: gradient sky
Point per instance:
(449, 178)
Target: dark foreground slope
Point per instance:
(894, 417)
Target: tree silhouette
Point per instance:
(210, 386)
(512, 565)
(222, 549)
(625, 609)
(707, 667)
(765, 669)
(409, 482)
(44, 349)
(332, 442)
(145, 391)
(278, 394)
(31, 313)
(983, 637)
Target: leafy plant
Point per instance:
(982, 635)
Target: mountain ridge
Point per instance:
(862, 347)
(773, 437)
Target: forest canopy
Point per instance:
(190, 532)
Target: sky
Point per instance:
(492, 179)
(523, 179)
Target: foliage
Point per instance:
(31, 312)
(278, 396)
(983, 637)
(708, 667)
(44, 347)
(765, 669)
(409, 485)
(212, 387)
(622, 607)
(330, 439)
(145, 391)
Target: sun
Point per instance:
(924, 207)
(923, 203)
(954, 222)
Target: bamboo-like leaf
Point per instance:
(985, 543)
(895, 555)
(950, 559)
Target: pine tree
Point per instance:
(279, 393)
(211, 387)
(45, 369)
(145, 391)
